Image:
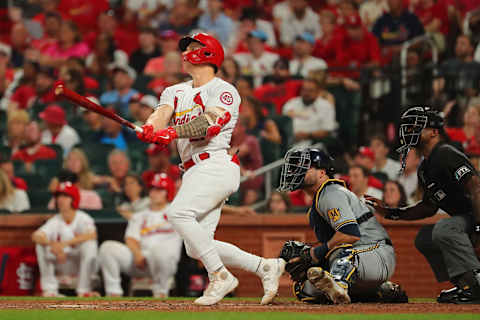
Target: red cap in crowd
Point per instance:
(352, 21)
(154, 149)
(366, 152)
(53, 114)
(162, 181)
(70, 190)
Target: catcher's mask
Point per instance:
(412, 122)
(297, 163)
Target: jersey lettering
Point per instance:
(463, 170)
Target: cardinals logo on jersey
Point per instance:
(186, 116)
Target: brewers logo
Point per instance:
(334, 214)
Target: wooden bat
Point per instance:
(61, 91)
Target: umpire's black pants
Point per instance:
(447, 247)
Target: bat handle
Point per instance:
(137, 128)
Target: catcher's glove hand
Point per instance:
(297, 256)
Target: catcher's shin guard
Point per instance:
(301, 294)
(342, 267)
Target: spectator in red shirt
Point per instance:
(158, 66)
(467, 134)
(300, 198)
(159, 162)
(434, 17)
(358, 48)
(24, 94)
(32, 150)
(366, 159)
(83, 13)
(326, 46)
(126, 40)
(280, 87)
(250, 157)
(51, 32)
(44, 85)
(69, 44)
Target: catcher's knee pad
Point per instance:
(342, 265)
(299, 292)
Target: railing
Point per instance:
(403, 61)
(466, 21)
(267, 171)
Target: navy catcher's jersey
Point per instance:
(334, 206)
(442, 177)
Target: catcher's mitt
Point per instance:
(299, 252)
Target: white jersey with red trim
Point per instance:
(151, 228)
(189, 103)
(56, 229)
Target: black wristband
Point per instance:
(321, 251)
(393, 214)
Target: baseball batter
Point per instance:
(152, 248)
(67, 244)
(202, 113)
(355, 255)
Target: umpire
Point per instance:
(451, 183)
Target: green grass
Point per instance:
(152, 315)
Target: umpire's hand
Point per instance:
(377, 204)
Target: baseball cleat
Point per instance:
(448, 296)
(221, 283)
(270, 271)
(323, 281)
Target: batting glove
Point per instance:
(165, 136)
(147, 134)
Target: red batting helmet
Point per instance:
(70, 190)
(211, 52)
(162, 181)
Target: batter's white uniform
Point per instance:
(81, 259)
(195, 211)
(160, 245)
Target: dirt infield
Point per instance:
(238, 305)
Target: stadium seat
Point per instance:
(39, 198)
(3, 123)
(97, 154)
(138, 158)
(35, 181)
(285, 126)
(48, 168)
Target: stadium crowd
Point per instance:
(308, 72)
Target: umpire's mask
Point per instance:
(412, 122)
(297, 163)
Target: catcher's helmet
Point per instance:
(70, 190)
(211, 52)
(413, 121)
(297, 163)
(162, 181)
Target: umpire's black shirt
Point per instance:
(442, 177)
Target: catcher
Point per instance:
(354, 257)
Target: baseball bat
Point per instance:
(61, 91)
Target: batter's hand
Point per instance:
(147, 134)
(165, 136)
(377, 204)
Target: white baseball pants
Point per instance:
(115, 258)
(81, 260)
(195, 212)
